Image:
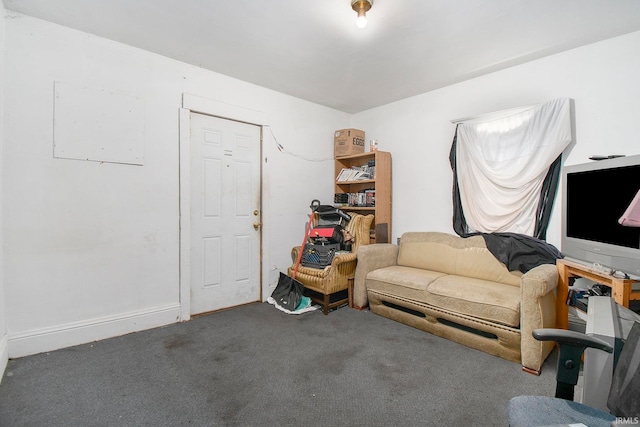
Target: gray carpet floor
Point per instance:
(256, 366)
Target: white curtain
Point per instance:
(502, 160)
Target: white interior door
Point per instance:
(225, 213)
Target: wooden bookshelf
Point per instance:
(381, 184)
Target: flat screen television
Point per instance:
(594, 197)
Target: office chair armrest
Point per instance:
(563, 336)
(571, 346)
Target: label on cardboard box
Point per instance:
(348, 142)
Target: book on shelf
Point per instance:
(363, 199)
(352, 174)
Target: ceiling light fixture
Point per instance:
(361, 7)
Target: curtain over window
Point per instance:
(506, 167)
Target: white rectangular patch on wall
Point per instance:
(97, 124)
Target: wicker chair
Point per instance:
(325, 283)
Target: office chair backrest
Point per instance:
(624, 396)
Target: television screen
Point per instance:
(595, 196)
(595, 201)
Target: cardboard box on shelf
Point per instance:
(348, 141)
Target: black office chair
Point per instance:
(624, 395)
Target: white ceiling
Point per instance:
(314, 51)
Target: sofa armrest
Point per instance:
(539, 281)
(371, 257)
(294, 253)
(537, 310)
(343, 258)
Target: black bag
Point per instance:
(288, 292)
(330, 215)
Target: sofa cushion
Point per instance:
(495, 302)
(451, 254)
(479, 298)
(406, 282)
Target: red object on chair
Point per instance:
(332, 233)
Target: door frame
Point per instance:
(196, 104)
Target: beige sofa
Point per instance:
(455, 288)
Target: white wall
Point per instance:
(4, 351)
(92, 249)
(602, 78)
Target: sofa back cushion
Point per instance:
(451, 254)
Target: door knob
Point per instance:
(256, 225)
(256, 212)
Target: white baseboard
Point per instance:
(4, 355)
(70, 334)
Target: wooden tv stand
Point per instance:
(621, 290)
